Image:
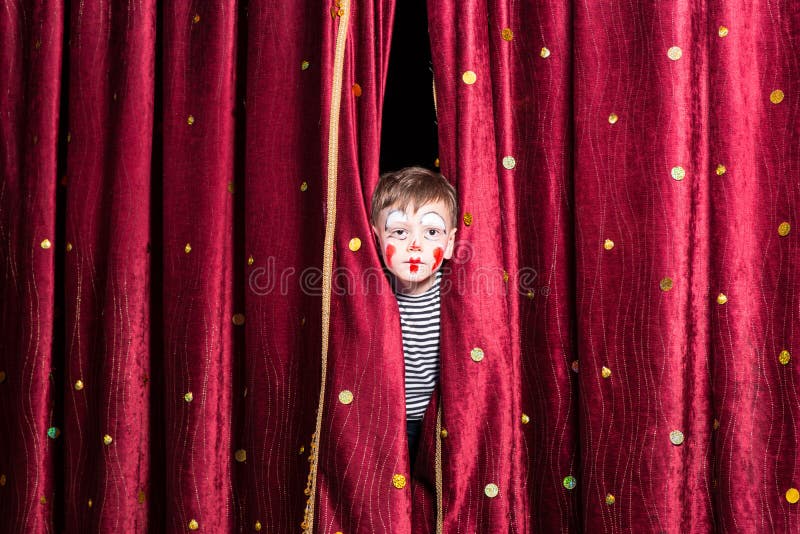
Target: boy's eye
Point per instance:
(433, 233)
(399, 233)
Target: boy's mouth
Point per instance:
(414, 260)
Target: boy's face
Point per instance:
(414, 242)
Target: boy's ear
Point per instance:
(451, 240)
(375, 234)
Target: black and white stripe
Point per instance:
(419, 320)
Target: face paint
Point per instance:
(433, 219)
(413, 267)
(395, 216)
(389, 254)
(438, 253)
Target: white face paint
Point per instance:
(395, 216)
(433, 219)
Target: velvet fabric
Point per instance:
(197, 333)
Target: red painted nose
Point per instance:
(414, 246)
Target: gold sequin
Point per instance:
(491, 490)
(723, 31)
(436, 163)
(783, 229)
(776, 96)
(476, 354)
(250, 260)
(722, 298)
(196, 18)
(469, 77)
(304, 186)
(529, 294)
(792, 495)
(605, 372)
(37, 44)
(721, 169)
(188, 248)
(608, 244)
(467, 219)
(715, 424)
(193, 525)
(2, 480)
(241, 455)
(610, 499)
(544, 52)
(507, 34)
(238, 319)
(505, 276)
(107, 439)
(190, 120)
(304, 65)
(69, 247)
(2, 376)
(356, 90)
(302, 449)
(676, 437)
(354, 244)
(674, 53)
(398, 481)
(444, 433)
(678, 173)
(784, 357)
(345, 396)
(89, 503)
(257, 526)
(43, 500)
(666, 283)
(79, 385)
(525, 419)
(576, 366)
(69, 137)
(46, 244)
(613, 118)
(509, 162)
(140, 497)
(188, 396)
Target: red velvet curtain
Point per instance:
(197, 335)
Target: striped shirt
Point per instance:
(419, 321)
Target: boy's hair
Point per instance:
(413, 185)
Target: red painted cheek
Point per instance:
(389, 254)
(413, 267)
(438, 253)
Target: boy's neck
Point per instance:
(413, 288)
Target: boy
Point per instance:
(414, 215)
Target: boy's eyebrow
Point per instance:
(439, 219)
(395, 214)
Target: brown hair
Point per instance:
(415, 185)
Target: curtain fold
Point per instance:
(197, 335)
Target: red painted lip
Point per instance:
(414, 260)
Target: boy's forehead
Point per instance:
(411, 209)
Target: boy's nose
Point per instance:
(414, 245)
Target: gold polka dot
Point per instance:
(529, 294)
(544, 52)
(792, 495)
(783, 229)
(723, 31)
(525, 419)
(674, 53)
(69, 247)
(505, 276)
(613, 118)
(304, 186)
(476, 354)
(398, 481)
(241, 455)
(302, 449)
(140, 497)
(721, 169)
(238, 319)
(188, 396)
(610, 499)
(231, 187)
(676, 437)
(469, 77)
(491, 490)
(250, 260)
(509, 162)
(79, 385)
(190, 120)
(776, 96)
(196, 18)
(666, 283)
(45, 244)
(605, 372)
(304, 65)
(678, 173)
(354, 244)
(784, 357)
(722, 298)
(345, 396)
(715, 424)
(444, 433)
(43, 500)
(107, 439)
(193, 525)
(257, 526)
(2, 480)
(507, 34)
(188, 248)
(356, 90)
(436, 163)
(467, 219)
(608, 244)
